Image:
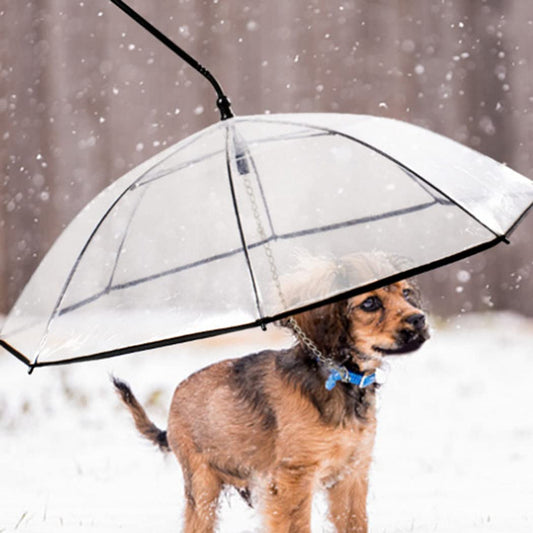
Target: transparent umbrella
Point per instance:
(198, 240)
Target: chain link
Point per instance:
(326, 361)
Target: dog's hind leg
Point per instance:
(202, 489)
(288, 497)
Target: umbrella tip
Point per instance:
(224, 106)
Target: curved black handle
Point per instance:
(223, 103)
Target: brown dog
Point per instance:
(267, 425)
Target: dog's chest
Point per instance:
(345, 449)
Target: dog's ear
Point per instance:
(416, 299)
(326, 325)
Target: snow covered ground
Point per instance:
(453, 453)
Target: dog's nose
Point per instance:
(418, 321)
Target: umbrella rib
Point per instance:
(326, 132)
(15, 352)
(240, 227)
(57, 311)
(123, 240)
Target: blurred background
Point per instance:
(86, 94)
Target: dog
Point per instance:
(278, 424)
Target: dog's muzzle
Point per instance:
(418, 321)
(409, 338)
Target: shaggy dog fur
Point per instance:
(266, 425)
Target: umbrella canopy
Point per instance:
(199, 239)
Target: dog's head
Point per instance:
(363, 329)
(387, 321)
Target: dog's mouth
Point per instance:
(407, 341)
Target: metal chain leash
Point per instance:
(263, 238)
(301, 335)
(326, 361)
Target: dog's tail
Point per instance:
(145, 426)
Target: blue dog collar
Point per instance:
(361, 380)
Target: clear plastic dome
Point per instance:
(199, 239)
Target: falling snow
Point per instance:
(80, 102)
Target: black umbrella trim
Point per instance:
(265, 320)
(268, 320)
(428, 187)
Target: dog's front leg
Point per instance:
(288, 496)
(347, 502)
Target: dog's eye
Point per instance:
(410, 296)
(372, 303)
